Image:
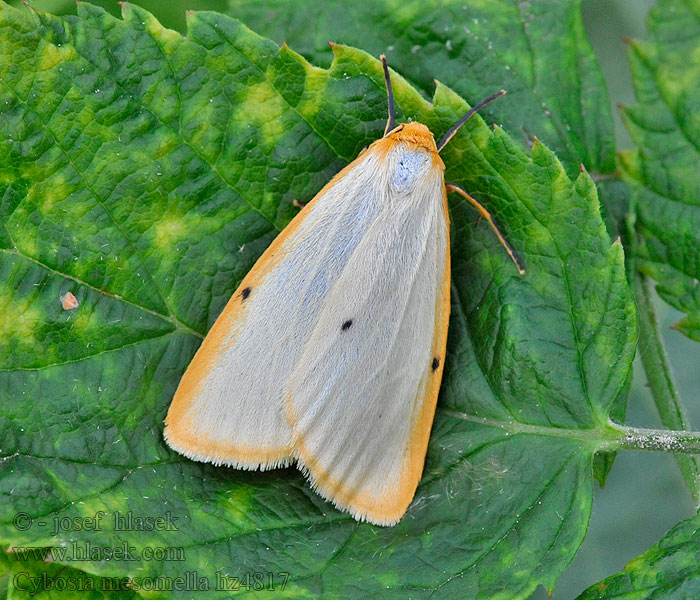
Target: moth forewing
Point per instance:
(326, 353)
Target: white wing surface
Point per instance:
(328, 351)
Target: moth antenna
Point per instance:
(451, 187)
(391, 121)
(452, 130)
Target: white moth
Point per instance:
(330, 352)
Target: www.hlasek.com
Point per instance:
(86, 551)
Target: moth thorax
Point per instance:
(410, 167)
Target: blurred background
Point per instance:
(645, 495)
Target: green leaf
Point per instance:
(145, 173)
(670, 570)
(663, 170)
(536, 50)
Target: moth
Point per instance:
(330, 353)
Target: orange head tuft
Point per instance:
(415, 134)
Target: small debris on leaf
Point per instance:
(69, 301)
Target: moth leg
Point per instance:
(452, 187)
(299, 204)
(391, 121)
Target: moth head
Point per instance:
(413, 134)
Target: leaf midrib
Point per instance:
(583, 435)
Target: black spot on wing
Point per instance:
(245, 292)
(436, 363)
(346, 325)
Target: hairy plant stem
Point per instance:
(656, 440)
